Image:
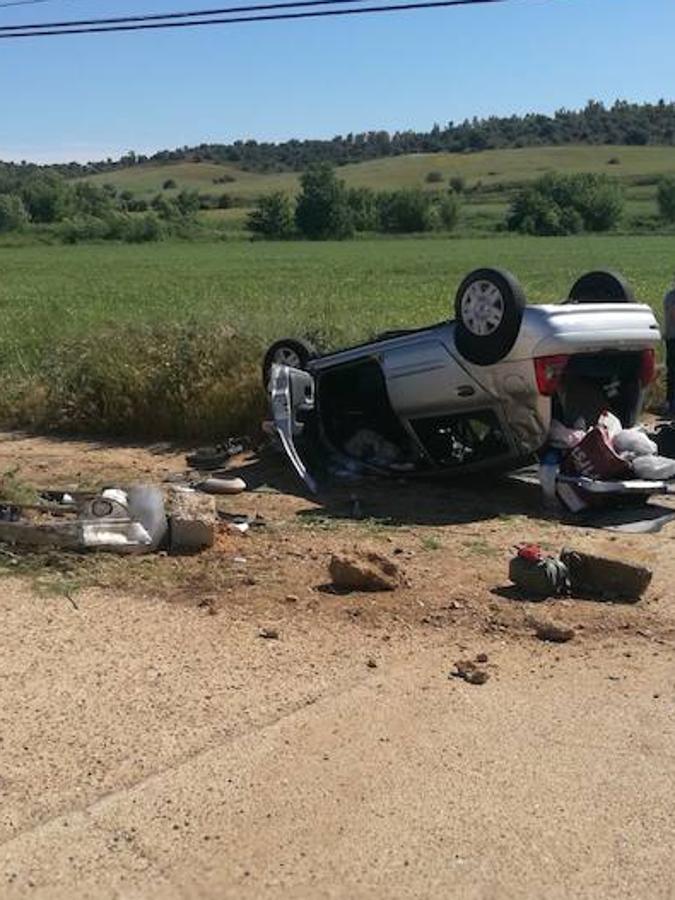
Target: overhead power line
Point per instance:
(22, 3)
(160, 17)
(224, 17)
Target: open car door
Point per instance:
(292, 397)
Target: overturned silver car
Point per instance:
(479, 392)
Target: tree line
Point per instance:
(39, 200)
(326, 209)
(622, 123)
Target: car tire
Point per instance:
(294, 352)
(488, 313)
(601, 287)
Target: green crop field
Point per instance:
(138, 339)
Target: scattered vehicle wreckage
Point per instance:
(492, 389)
(137, 519)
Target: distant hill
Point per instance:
(622, 124)
(490, 171)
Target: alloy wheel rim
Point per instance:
(482, 308)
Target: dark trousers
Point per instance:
(670, 376)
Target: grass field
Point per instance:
(136, 339)
(490, 167)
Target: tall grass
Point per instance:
(166, 340)
(170, 380)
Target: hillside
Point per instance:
(490, 177)
(493, 168)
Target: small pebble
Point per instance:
(269, 634)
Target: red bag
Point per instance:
(594, 457)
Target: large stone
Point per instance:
(192, 520)
(609, 579)
(364, 571)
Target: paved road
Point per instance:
(154, 751)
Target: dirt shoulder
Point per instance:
(153, 744)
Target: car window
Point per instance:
(462, 439)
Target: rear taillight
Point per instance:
(549, 370)
(647, 367)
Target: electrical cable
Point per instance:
(142, 23)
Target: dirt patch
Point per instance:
(453, 544)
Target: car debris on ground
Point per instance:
(577, 574)
(140, 518)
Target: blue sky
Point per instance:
(89, 97)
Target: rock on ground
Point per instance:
(364, 571)
(192, 520)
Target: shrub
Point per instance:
(187, 204)
(143, 229)
(665, 197)
(45, 198)
(208, 201)
(405, 211)
(363, 203)
(272, 217)
(614, 161)
(13, 215)
(322, 211)
(458, 184)
(566, 204)
(169, 185)
(447, 211)
(434, 177)
(137, 204)
(88, 199)
(224, 179)
(224, 201)
(84, 228)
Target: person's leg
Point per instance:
(670, 375)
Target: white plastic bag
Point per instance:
(635, 442)
(610, 423)
(654, 468)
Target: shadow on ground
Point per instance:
(396, 501)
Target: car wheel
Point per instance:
(292, 352)
(601, 287)
(488, 311)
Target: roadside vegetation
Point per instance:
(166, 340)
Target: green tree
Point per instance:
(13, 215)
(45, 197)
(406, 211)
(89, 200)
(665, 197)
(363, 203)
(322, 211)
(272, 217)
(566, 204)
